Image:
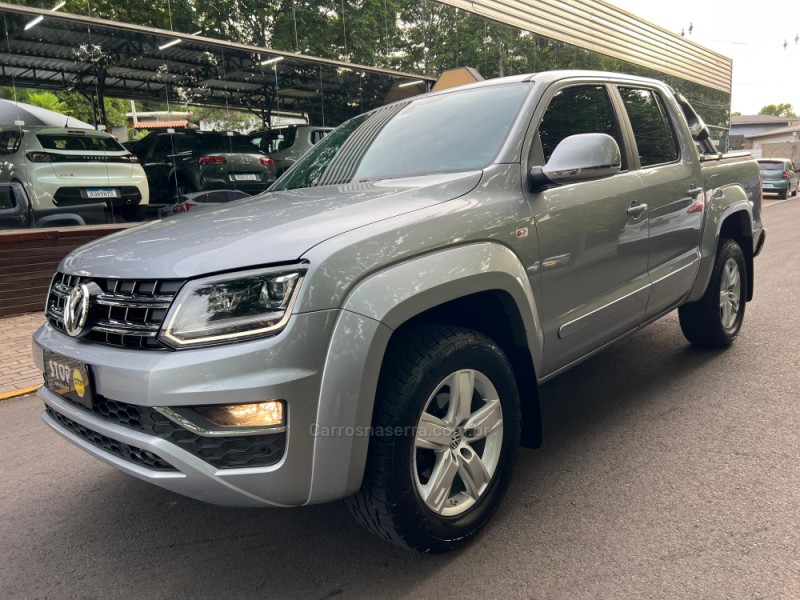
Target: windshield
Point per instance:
(460, 131)
(221, 142)
(72, 141)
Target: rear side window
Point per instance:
(574, 110)
(317, 135)
(79, 142)
(278, 139)
(651, 126)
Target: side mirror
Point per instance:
(577, 158)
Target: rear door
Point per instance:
(672, 183)
(593, 287)
(158, 164)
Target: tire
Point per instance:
(794, 193)
(181, 187)
(784, 194)
(414, 444)
(715, 320)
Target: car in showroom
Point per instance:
(181, 161)
(74, 170)
(198, 200)
(285, 144)
(779, 176)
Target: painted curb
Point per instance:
(20, 392)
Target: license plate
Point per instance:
(67, 377)
(246, 177)
(768, 185)
(101, 193)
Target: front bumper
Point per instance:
(287, 366)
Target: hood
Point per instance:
(270, 228)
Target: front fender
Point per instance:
(371, 312)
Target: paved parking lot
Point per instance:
(18, 370)
(667, 472)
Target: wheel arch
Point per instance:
(457, 286)
(729, 214)
(738, 226)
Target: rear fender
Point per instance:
(722, 204)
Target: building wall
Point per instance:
(790, 150)
(755, 129)
(786, 138)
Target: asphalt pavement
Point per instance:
(666, 472)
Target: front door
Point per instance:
(593, 243)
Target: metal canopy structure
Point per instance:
(102, 58)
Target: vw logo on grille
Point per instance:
(76, 310)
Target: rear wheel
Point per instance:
(714, 321)
(445, 439)
(181, 186)
(785, 193)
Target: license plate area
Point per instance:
(67, 377)
(102, 193)
(245, 177)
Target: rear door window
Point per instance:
(652, 129)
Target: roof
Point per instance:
(73, 51)
(160, 124)
(773, 132)
(760, 119)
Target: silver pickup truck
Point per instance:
(375, 326)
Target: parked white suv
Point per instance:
(73, 169)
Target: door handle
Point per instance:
(637, 210)
(694, 192)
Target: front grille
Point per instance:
(143, 458)
(222, 452)
(122, 312)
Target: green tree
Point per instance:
(778, 110)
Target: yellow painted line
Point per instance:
(20, 392)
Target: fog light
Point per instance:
(260, 414)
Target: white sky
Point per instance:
(751, 33)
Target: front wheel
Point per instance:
(445, 439)
(714, 321)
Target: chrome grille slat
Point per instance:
(126, 313)
(136, 301)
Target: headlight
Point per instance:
(233, 307)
